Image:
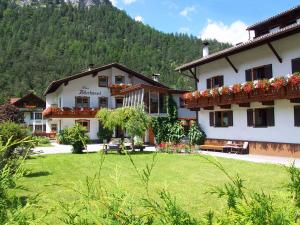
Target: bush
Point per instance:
(104, 134)
(40, 141)
(196, 135)
(10, 131)
(76, 136)
(63, 137)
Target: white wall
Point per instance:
(284, 130)
(183, 112)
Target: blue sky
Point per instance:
(224, 20)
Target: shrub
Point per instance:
(9, 112)
(63, 137)
(104, 134)
(15, 132)
(196, 135)
(176, 132)
(40, 141)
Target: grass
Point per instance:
(187, 177)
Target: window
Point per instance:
(296, 65)
(217, 81)
(146, 101)
(263, 117)
(297, 115)
(37, 116)
(119, 79)
(153, 102)
(84, 123)
(259, 73)
(119, 102)
(181, 102)
(38, 128)
(82, 102)
(162, 103)
(54, 127)
(221, 119)
(103, 102)
(103, 81)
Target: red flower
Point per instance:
(248, 87)
(278, 82)
(236, 88)
(206, 93)
(294, 80)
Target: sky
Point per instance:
(224, 20)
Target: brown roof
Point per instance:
(56, 84)
(30, 98)
(270, 19)
(282, 33)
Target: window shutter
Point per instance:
(211, 119)
(268, 71)
(221, 81)
(250, 121)
(248, 75)
(296, 65)
(270, 117)
(208, 83)
(230, 118)
(297, 115)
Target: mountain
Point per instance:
(42, 41)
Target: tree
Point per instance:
(11, 113)
(132, 120)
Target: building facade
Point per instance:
(32, 107)
(267, 117)
(76, 99)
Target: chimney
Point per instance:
(155, 77)
(91, 66)
(205, 50)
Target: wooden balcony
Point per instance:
(116, 89)
(290, 92)
(54, 112)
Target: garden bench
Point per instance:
(218, 148)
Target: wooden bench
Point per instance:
(218, 148)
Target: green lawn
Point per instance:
(188, 177)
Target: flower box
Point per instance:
(275, 93)
(293, 91)
(226, 99)
(202, 102)
(213, 101)
(257, 95)
(241, 97)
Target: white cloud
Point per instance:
(187, 11)
(233, 33)
(138, 18)
(184, 30)
(128, 2)
(114, 2)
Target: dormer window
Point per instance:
(119, 80)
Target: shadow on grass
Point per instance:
(37, 174)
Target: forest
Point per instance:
(44, 41)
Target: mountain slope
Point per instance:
(43, 42)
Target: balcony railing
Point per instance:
(53, 112)
(115, 89)
(259, 91)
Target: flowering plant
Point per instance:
(119, 85)
(214, 92)
(187, 96)
(261, 84)
(294, 79)
(206, 93)
(196, 94)
(248, 87)
(224, 90)
(236, 88)
(278, 82)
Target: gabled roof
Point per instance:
(56, 84)
(28, 99)
(295, 9)
(264, 39)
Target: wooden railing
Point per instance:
(54, 112)
(258, 95)
(116, 89)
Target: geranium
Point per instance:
(224, 90)
(278, 82)
(196, 94)
(214, 92)
(187, 96)
(236, 88)
(261, 84)
(247, 87)
(206, 93)
(294, 79)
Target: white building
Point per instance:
(76, 99)
(269, 122)
(32, 107)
